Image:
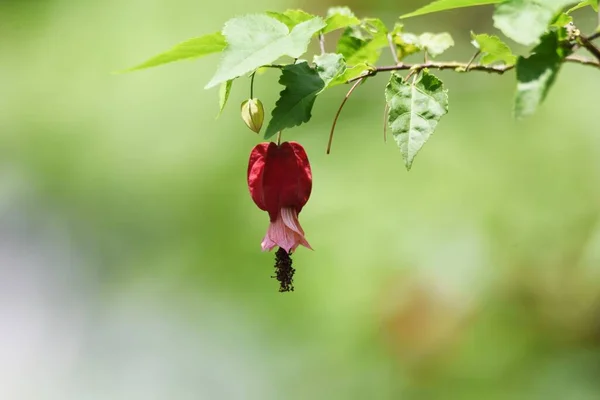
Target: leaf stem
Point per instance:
(322, 42)
(393, 49)
(411, 73)
(252, 85)
(337, 114)
(472, 60)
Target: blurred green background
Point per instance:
(130, 262)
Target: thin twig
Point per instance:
(582, 60)
(472, 60)
(393, 49)
(322, 42)
(462, 67)
(337, 114)
(596, 35)
(589, 46)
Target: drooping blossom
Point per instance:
(280, 182)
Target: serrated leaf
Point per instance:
(493, 49)
(435, 43)
(302, 84)
(257, 40)
(329, 66)
(338, 18)
(536, 74)
(224, 91)
(443, 5)
(360, 51)
(291, 17)
(585, 3)
(414, 111)
(190, 49)
(525, 21)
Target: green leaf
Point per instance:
(257, 40)
(338, 18)
(302, 84)
(350, 73)
(291, 17)
(561, 20)
(190, 49)
(524, 21)
(493, 49)
(443, 5)
(435, 43)
(359, 51)
(406, 43)
(329, 66)
(224, 91)
(585, 3)
(414, 111)
(374, 26)
(536, 74)
(409, 43)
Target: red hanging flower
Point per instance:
(280, 182)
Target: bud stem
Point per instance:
(252, 85)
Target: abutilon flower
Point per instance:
(280, 182)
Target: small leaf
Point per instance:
(291, 17)
(414, 111)
(536, 74)
(435, 44)
(190, 49)
(257, 40)
(224, 95)
(443, 5)
(338, 18)
(585, 3)
(524, 21)
(329, 66)
(374, 26)
(493, 49)
(302, 84)
(350, 73)
(406, 43)
(561, 20)
(358, 51)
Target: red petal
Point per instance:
(279, 176)
(256, 168)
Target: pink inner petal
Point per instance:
(285, 232)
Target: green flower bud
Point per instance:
(253, 114)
